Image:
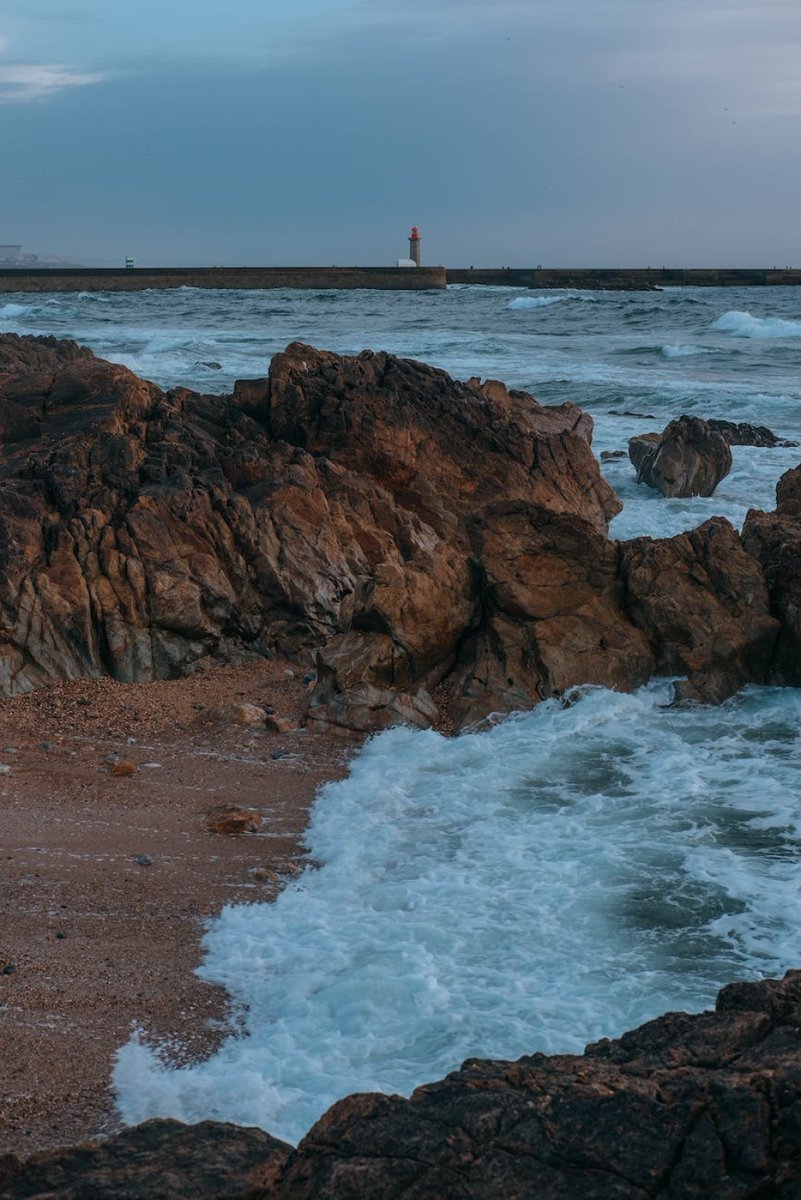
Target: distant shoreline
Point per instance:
(88, 279)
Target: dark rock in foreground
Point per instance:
(689, 458)
(703, 1107)
(158, 1160)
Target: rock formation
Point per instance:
(424, 542)
(689, 458)
(704, 1107)
(774, 539)
(740, 433)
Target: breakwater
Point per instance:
(127, 279)
(625, 277)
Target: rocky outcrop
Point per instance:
(774, 539)
(703, 604)
(704, 1107)
(158, 1160)
(428, 545)
(740, 433)
(689, 458)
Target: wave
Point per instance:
(16, 310)
(535, 301)
(567, 874)
(743, 324)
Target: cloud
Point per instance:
(22, 82)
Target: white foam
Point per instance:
(682, 351)
(535, 301)
(15, 310)
(564, 876)
(743, 324)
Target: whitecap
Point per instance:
(15, 310)
(743, 324)
(535, 301)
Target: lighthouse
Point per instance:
(414, 245)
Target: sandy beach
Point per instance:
(93, 942)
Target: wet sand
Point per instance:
(93, 943)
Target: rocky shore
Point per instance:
(350, 542)
(704, 1107)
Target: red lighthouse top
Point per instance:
(415, 234)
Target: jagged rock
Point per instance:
(704, 1107)
(412, 536)
(774, 539)
(742, 434)
(703, 604)
(158, 1160)
(143, 532)
(689, 458)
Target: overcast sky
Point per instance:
(514, 132)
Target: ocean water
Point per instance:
(569, 873)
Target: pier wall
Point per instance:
(625, 277)
(122, 279)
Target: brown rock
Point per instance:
(414, 535)
(689, 458)
(122, 769)
(774, 539)
(275, 724)
(228, 818)
(703, 604)
(246, 714)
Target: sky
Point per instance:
(513, 132)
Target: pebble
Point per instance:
(5, 769)
(9, 969)
(264, 875)
(122, 769)
(10, 750)
(144, 860)
(154, 766)
(45, 745)
(61, 935)
(310, 677)
(112, 758)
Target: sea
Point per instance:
(568, 873)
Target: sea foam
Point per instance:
(563, 876)
(743, 324)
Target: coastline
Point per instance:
(97, 943)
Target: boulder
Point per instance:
(774, 540)
(162, 1159)
(703, 1107)
(689, 458)
(702, 602)
(231, 819)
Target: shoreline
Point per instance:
(97, 943)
